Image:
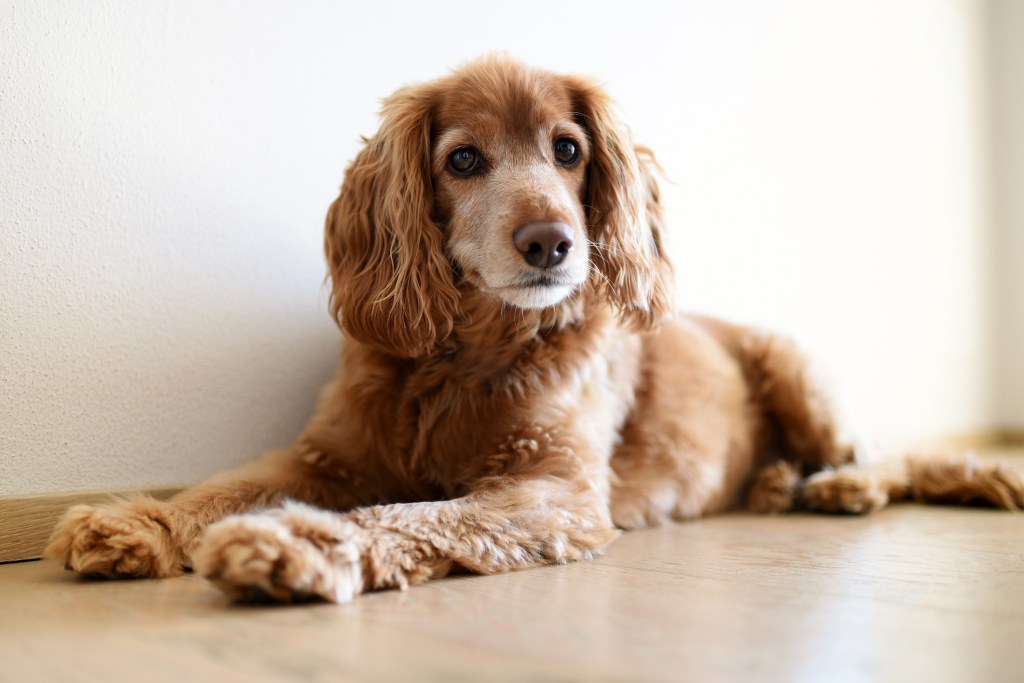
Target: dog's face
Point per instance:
(501, 181)
(509, 169)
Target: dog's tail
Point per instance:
(962, 479)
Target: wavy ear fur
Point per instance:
(392, 286)
(624, 214)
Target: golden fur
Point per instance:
(487, 418)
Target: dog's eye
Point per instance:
(566, 151)
(464, 161)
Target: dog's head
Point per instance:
(516, 182)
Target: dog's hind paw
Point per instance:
(851, 491)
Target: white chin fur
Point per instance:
(535, 297)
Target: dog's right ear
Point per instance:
(392, 286)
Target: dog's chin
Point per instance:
(535, 296)
(529, 290)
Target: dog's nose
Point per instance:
(543, 245)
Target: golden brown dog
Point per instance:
(514, 385)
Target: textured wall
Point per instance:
(1007, 45)
(163, 191)
(166, 167)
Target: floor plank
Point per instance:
(911, 593)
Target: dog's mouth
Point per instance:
(536, 291)
(528, 289)
(542, 281)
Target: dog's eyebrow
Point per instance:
(573, 130)
(454, 137)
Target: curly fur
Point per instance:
(487, 419)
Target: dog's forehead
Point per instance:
(513, 103)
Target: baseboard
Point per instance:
(992, 439)
(26, 521)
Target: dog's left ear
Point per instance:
(624, 213)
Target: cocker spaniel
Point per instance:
(515, 385)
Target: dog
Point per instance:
(516, 386)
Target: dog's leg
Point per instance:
(801, 413)
(845, 477)
(775, 488)
(686, 449)
(143, 537)
(298, 552)
(957, 480)
(780, 487)
(856, 489)
(794, 401)
(964, 480)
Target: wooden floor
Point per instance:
(909, 594)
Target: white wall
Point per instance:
(1007, 55)
(166, 167)
(833, 184)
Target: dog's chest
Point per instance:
(456, 427)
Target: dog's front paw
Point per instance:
(131, 539)
(850, 490)
(291, 554)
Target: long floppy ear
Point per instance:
(391, 284)
(624, 213)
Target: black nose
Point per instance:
(543, 245)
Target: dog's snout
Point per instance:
(543, 245)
